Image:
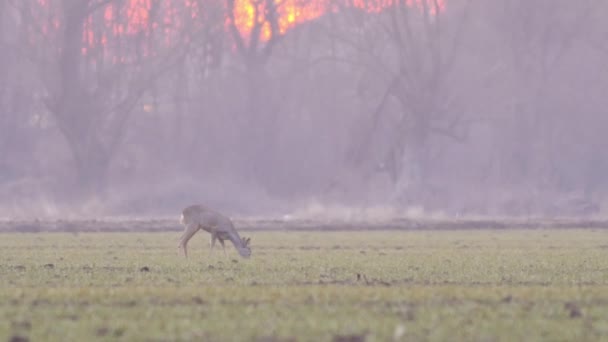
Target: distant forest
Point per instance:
(261, 107)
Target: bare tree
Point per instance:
(542, 47)
(93, 74)
(13, 97)
(409, 52)
(258, 113)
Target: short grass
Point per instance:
(466, 285)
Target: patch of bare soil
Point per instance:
(106, 331)
(18, 338)
(349, 338)
(275, 339)
(25, 325)
(574, 311)
(198, 301)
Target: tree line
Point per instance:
(466, 107)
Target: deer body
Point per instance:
(220, 227)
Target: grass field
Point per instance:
(465, 285)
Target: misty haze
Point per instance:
(383, 170)
(472, 108)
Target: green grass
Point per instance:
(466, 285)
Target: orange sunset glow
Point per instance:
(294, 12)
(140, 18)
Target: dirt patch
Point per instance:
(103, 331)
(198, 301)
(40, 302)
(574, 311)
(309, 248)
(18, 338)
(349, 338)
(275, 339)
(25, 325)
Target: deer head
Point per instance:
(244, 249)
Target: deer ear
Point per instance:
(246, 240)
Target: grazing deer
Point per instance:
(220, 227)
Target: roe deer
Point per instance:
(220, 227)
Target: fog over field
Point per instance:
(327, 109)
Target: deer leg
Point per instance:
(188, 233)
(212, 242)
(223, 246)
